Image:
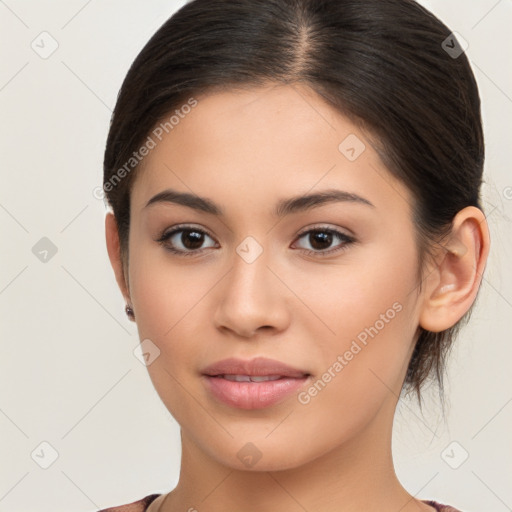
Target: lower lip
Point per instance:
(252, 395)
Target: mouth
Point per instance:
(250, 378)
(253, 384)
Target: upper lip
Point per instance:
(259, 366)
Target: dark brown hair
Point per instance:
(389, 65)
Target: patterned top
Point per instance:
(143, 504)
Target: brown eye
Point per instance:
(321, 239)
(191, 239)
(185, 241)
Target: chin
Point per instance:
(262, 454)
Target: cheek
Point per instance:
(363, 365)
(369, 307)
(172, 303)
(165, 298)
(352, 296)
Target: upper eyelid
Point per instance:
(325, 227)
(316, 227)
(186, 227)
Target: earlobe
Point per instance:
(114, 254)
(456, 279)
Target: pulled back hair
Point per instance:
(384, 64)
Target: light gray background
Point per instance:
(68, 372)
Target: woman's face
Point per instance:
(328, 287)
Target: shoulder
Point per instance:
(440, 507)
(142, 505)
(136, 506)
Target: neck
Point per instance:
(358, 475)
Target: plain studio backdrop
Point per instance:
(81, 425)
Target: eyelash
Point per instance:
(346, 239)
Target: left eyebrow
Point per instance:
(307, 202)
(284, 206)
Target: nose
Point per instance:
(253, 299)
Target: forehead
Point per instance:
(258, 142)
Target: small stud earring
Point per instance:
(129, 312)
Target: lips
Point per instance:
(252, 384)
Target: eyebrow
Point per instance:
(284, 206)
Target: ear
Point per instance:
(114, 254)
(452, 286)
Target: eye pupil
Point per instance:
(194, 236)
(323, 237)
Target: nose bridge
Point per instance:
(249, 278)
(250, 296)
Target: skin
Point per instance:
(246, 150)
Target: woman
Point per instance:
(298, 234)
